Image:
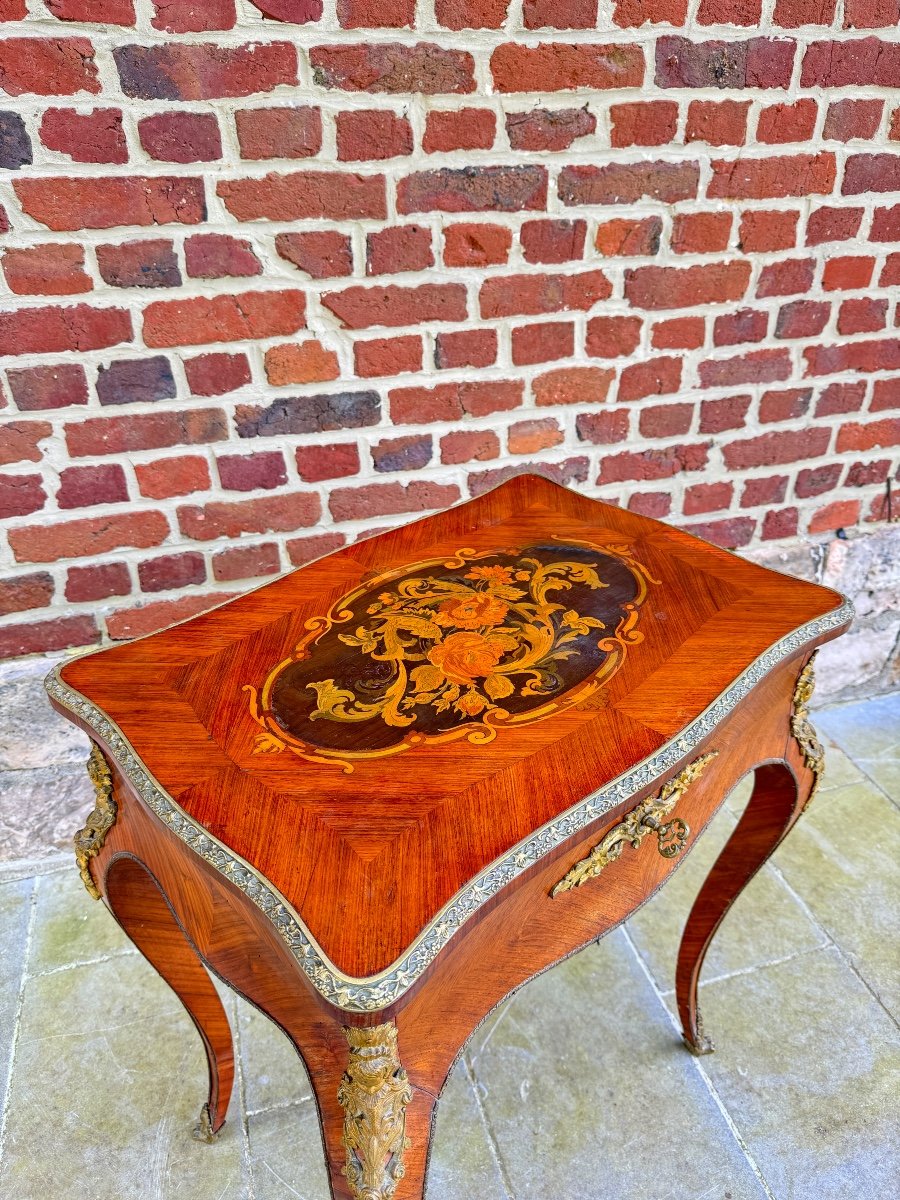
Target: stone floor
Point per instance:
(576, 1088)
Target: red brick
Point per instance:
(363, 135)
(473, 189)
(791, 14)
(680, 333)
(742, 325)
(171, 571)
(890, 275)
(107, 12)
(468, 348)
(602, 428)
(252, 472)
(149, 263)
(45, 636)
(802, 319)
(686, 287)
(770, 490)
(885, 394)
(631, 13)
(38, 388)
(655, 377)
(218, 256)
(13, 10)
(767, 229)
(306, 549)
(832, 225)
(788, 405)
(267, 514)
(666, 420)
(104, 202)
(857, 436)
(789, 277)
(136, 381)
(886, 225)
(393, 67)
(865, 474)
(840, 398)
(758, 63)
(15, 147)
(95, 137)
(392, 305)
(730, 533)
(759, 366)
(399, 248)
(553, 240)
(20, 495)
(643, 123)
(662, 463)
(150, 618)
(471, 14)
(568, 472)
(21, 441)
(411, 453)
(382, 499)
(450, 401)
(181, 137)
(815, 480)
(376, 14)
(848, 119)
(97, 582)
(851, 63)
(246, 562)
(88, 536)
(573, 385)
(717, 122)
(460, 129)
(193, 16)
(216, 374)
(223, 318)
(204, 71)
(296, 12)
(544, 342)
(51, 66)
(871, 14)
(323, 255)
(530, 437)
(467, 245)
(289, 415)
(294, 132)
(772, 178)
(717, 416)
(729, 12)
(315, 463)
(769, 449)
(54, 269)
(308, 362)
(612, 337)
(894, 131)
(707, 497)
(146, 431)
(650, 504)
(836, 515)
(560, 66)
(80, 487)
(167, 477)
(630, 237)
(468, 445)
(701, 232)
(853, 356)
(548, 129)
(514, 295)
(387, 356)
(848, 273)
(780, 123)
(560, 14)
(863, 315)
(50, 330)
(317, 195)
(627, 183)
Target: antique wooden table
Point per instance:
(382, 792)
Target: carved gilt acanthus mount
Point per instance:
(374, 1094)
(89, 840)
(802, 728)
(646, 818)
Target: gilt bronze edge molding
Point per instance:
(377, 992)
(374, 1093)
(89, 839)
(802, 728)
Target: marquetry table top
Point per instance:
(374, 745)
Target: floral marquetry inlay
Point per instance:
(453, 648)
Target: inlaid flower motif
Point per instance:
(465, 655)
(474, 610)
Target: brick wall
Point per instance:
(282, 272)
